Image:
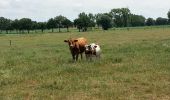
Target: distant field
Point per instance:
(135, 65)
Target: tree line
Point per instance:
(120, 17)
(26, 24)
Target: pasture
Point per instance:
(134, 65)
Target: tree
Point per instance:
(8, 25)
(92, 20)
(121, 17)
(126, 16)
(25, 24)
(67, 23)
(78, 24)
(161, 21)
(117, 17)
(150, 22)
(168, 16)
(42, 26)
(83, 22)
(34, 26)
(137, 20)
(59, 20)
(2, 22)
(51, 24)
(105, 21)
(97, 17)
(16, 25)
(5, 24)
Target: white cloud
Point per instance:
(42, 10)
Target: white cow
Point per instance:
(92, 50)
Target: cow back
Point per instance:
(82, 42)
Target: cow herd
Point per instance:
(79, 46)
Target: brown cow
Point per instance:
(77, 46)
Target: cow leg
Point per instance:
(73, 56)
(90, 56)
(77, 56)
(87, 56)
(81, 56)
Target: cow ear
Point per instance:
(75, 40)
(65, 40)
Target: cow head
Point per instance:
(71, 42)
(87, 47)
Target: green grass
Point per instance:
(135, 64)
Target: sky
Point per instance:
(42, 10)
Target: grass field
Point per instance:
(135, 65)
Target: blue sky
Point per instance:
(42, 10)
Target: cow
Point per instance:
(76, 46)
(92, 50)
